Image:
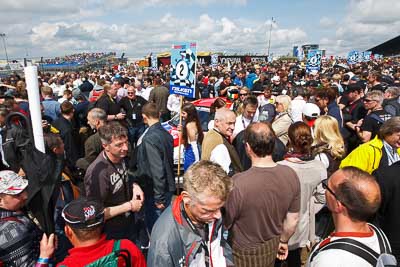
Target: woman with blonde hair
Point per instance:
(328, 146)
(283, 120)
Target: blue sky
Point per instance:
(139, 27)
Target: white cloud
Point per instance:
(326, 22)
(227, 26)
(136, 40)
(366, 24)
(370, 11)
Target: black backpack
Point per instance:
(357, 248)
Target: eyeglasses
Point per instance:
(130, 93)
(244, 94)
(368, 100)
(326, 187)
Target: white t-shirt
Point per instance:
(263, 101)
(220, 155)
(240, 124)
(146, 93)
(296, 110)
(341, 258)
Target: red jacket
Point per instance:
(79, 257)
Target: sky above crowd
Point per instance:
(36, 28)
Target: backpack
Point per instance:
(392, 107)
(267, 113)
(357, 248)
(111, 259)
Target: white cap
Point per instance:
(275, 79)
(311, 110)
(350, 74)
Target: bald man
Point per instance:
(353, 196)
(217, 146)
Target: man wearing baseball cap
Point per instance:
(84, 221)
(19, 236)
(310, 113)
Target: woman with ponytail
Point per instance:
(310, 172)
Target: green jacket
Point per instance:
(366, 157)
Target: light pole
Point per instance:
(270, 31)
(3, 35)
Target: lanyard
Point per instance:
(121, 174)
(196, 231)
(244, 126)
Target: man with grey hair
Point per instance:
(138, 88)
(96, 117)
(190, 231)
(106, 181)
(217, 145)
(391, 103)
(368, 127)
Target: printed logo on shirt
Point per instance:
(116, 182)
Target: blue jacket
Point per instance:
(51, 108)
(334, 111)
(250, 80)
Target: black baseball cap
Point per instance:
(83, 213)
(354, 87)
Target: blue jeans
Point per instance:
(151, 211)
(134, 133)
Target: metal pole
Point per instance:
(3, 35)
(270, 31)
(179, 143)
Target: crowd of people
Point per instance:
(80, 58)
(291, 168)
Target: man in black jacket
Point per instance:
(133, 104)
(387, 217)
(106, 180)
(154, 155)
(19, 236)
(68, 133)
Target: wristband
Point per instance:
(43, 260)
(282, 242)
(115, 117)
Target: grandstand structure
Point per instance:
(77, 63)
(388, 48)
